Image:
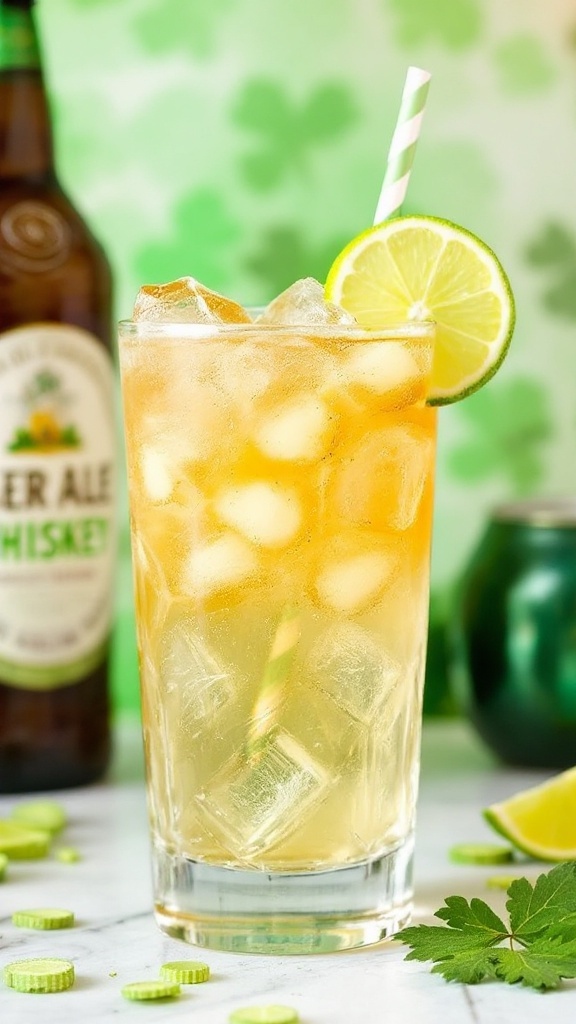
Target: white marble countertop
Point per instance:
(116, 940)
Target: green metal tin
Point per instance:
(514, 634)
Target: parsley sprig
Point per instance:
(536, 948)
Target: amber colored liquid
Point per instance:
(281, 512)
(57, 738)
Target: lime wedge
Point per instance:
(540, 821)
(3, 866)
(424, 268)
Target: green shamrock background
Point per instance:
(243, 142)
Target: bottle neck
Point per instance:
(25, 130)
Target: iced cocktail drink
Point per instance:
(280, 476)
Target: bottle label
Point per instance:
(18, 39)
(57, 507)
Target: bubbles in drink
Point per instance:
(256, 802)
(266, 514)
(347, 664)
(186, 301)
(303, 303)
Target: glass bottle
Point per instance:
(57, 448)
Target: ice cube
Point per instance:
(152, 596)
(303, 304)
(386, 798)
(347, 664)
(244, 374)
(300, 430)
(385, 368)
(254, 803)
(158, 476)
(264, 513)
(353, 573)
(186, 422)
(382, 481)
(186, 301)
(195, 685)
(223, 563)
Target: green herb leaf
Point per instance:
(431, 942)
(552, 899)
(541, 966)
(540, 938)
(475, 916)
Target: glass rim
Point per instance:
(153, 330)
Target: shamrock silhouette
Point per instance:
(285, 255)
(523, 65)
(181, 24)
(509, 425)
(201, 243)
(455, 23)
(555, 250)
(287, 132)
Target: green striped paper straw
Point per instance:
(403, 145)
(272, 687)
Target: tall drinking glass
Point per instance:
(280, 485)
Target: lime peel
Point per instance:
(540, 821)
(425, 266)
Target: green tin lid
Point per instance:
(544, 512)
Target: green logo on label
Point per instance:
(45, 430)
(18, 41)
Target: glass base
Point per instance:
(306, 912)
